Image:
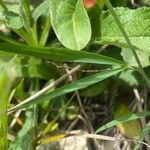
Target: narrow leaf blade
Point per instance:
(123, 119)
(59, 54)
(76, 85)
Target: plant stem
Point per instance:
(24, 35)
(34, 33)
(48, 87)
(26, 7)
(6, 80)
(26, 15)
(45, 32)
(140, 69)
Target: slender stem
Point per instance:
(34, 33)
(140, 69)
(26, 15)
(34, 108)
(26, 6)
(6, 80)
(48, 87)
(22, 33)
(45, 31)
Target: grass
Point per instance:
(56, 89)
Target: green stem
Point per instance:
(28, 39)
(34, 33)
(26, 15)
(140, 69)
(25, 12)
(26, 7)
(35, 88)
(6, 81)
(45, 31)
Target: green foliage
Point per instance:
(136, 25)
(13, 5)
(60, 54)
(71, 23)
(25, 137)
(143, 56)
(94, 89)
(13, 20)
(26, 66)
(123, 119)
(5, 86)
(76, 85)
(42, 9)
(131, 77)
(55, 31)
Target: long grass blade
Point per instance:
(123, 119)
(5, 85)
(76, 85)
(60, 54)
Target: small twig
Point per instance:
(102, 48)
(10, 137)
(48, 87)
(73, 123)
(82, 109)
(84, 113)
(81, 106)
(145, 99)
(133, 2)
(65, 66)
(17, 114)
(109, 138)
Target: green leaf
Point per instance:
(43, 8)
(136, 24)
(24, 139)
(11, 17)
(5, 86)
(59, 54)
(123, 119)
(131, 77)
(76, 85)
(13, 20)
(129, 58)
(25, 66)
(70, 23)
(2, 16)
(13, 5)
(94, 89)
